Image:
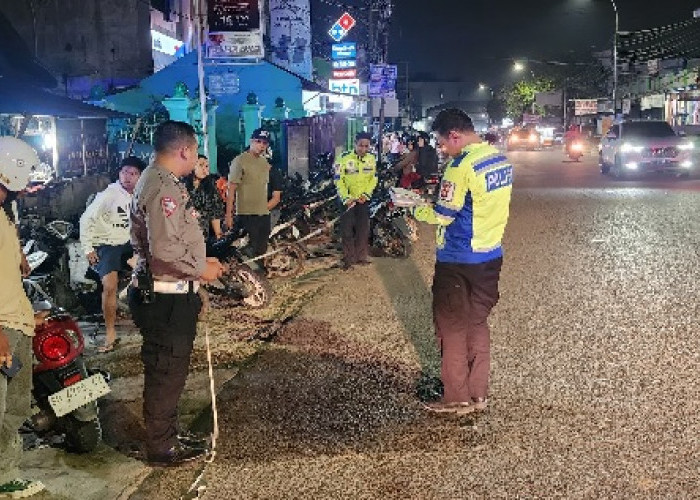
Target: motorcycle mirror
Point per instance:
(41, 306)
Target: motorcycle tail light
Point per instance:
(73, 379)
(55, 347)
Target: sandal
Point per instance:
(108, 347)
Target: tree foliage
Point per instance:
(519, 97)
(580, 80)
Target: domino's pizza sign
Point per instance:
(342, 27)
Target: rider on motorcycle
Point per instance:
(572, 135)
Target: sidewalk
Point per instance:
(111, 472)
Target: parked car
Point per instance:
(637, 147)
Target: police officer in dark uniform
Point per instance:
(164, 302)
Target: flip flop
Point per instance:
(103, 349)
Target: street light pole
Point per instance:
(617, 29)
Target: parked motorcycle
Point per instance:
(239, 281)
(390, 234)
(65, 392)
(47, 246)
(307, 229)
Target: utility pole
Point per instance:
(381, 54)
(615, 36)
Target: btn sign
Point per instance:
(350, 87)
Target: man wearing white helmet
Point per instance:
(17, 160)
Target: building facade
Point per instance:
(86, 43)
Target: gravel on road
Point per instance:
(595, 361)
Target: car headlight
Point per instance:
(533, 137)
(631, 148)
(687, 146)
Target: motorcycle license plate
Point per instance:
(81, 393)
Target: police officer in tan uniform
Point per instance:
(164, 302)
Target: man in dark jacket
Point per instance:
(427, 157)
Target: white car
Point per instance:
(637, 147)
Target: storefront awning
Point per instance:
(21, 97)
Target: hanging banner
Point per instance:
(585, 107)
(290, 35)
(382, 80)
(234, 29)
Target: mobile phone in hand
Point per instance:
(13, 370)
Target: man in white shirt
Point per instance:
(105, 238)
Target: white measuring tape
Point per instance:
(196, 487)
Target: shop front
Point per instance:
(683, 108)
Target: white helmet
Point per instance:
(17, 161)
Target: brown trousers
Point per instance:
(463, 296)
(354, 228)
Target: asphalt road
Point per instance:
(551, 168)
(594, 390)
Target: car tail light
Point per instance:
(55, 347)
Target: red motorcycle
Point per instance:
(65, 392)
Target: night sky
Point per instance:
(477, 40)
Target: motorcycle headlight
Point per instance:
(631, 148)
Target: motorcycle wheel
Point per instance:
(392, 242)
(255, 289)
(287, 262)
(82, 437)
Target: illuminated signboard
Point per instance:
(351, 87)
(344, 51)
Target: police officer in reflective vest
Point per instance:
(165, 234)
(471, 215)
(356, 178)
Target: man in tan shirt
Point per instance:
(17, 159)
(249, 182)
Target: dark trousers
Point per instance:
(463, 296)
(258, 229)
(168, 326)
(354, 227)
